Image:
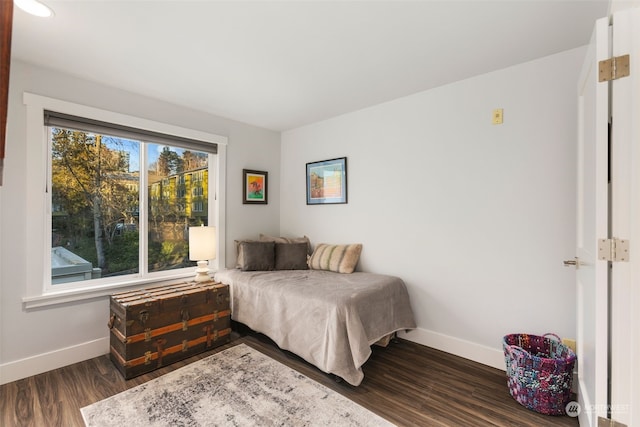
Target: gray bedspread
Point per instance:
(329, 319)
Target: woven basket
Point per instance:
(539, 372)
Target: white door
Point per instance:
(625, 223)
(592, 223)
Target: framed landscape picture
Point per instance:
(327, 182)
(254, 189)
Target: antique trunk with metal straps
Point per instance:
(157, 326)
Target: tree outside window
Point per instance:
(95, 198)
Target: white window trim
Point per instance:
(38, 206)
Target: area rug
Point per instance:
(237, 387)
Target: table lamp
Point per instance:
(202, 247)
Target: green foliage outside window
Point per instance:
(95, 200)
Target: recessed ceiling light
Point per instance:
(34, 7)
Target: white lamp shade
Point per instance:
(202, 243)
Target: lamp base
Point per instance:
(202, 272)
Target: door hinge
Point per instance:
(615, 250)
(613, 68)
(606, 422)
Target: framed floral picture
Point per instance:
(254, 190)
(327, 181)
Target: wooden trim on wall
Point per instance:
(6, 21)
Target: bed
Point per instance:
(330, 319)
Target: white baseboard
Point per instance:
(27, 367)
(493, 357)
(23, 368)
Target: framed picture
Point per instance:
(254, 190)
(327, 182)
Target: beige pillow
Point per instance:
(338, 258)
(303, 239)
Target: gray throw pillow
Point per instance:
(291, 256)
(240, 255)
(256, 256)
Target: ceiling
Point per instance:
(284, 64)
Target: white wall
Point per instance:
(476, 218)
(43, 339)
(618, 5)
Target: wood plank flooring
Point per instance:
(406, 383)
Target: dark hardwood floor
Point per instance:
(406, 383)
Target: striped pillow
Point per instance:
(337, 258)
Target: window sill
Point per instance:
(75, 295)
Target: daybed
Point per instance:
(330, 319)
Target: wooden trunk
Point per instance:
(157, 326)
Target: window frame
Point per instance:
(39, 291)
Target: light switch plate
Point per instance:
(497, 116)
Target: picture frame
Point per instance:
(327, 182)
(255, 190)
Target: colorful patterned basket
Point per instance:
(539, 372)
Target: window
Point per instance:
(97, 227)
(197, 207)
(117, 206)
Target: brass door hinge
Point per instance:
(615, 250)
(613, 68)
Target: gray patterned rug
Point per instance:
(237, 387)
